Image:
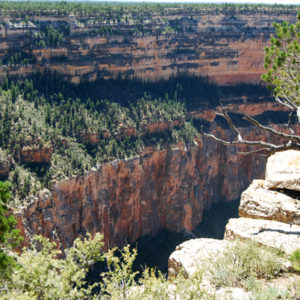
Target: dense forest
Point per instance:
(21, 8)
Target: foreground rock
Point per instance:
(269, 233)
(260, 203)
(283, 170)
(198, 255)
(269, 217)
(193, 255)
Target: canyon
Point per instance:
(160, 189)
(167, 188)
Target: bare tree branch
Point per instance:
(225, 115)
(287, 103)
(254, 151)
(269, 129)
(289, 124)
(240, 142)
(293, 141)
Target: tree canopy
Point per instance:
(282, 61)
(9, 235)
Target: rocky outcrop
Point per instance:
(124, 199)
(31, 154)
(269, 233)
(225, 45)
(160, 189)
(280, 231)
(5, 164)
(283, 171)
(260, 203)
(197, 255)
(188, 256)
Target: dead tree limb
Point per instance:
(292, 140)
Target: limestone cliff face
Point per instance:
(226, 46)
(159, 189)
(124, 199)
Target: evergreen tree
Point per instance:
(9, 236)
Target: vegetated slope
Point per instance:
(52, 130)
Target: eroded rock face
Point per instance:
(4, 164)
(269, 233)
(283, 170)
(226, 46)
(124, 199)
(36, 154)
(127, 199)
(260, 203)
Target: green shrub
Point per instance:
(245, 260)
(41, 274)
(295, 259)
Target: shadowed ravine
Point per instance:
(154, 251)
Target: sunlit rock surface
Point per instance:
(260, 203)
(269, 233)
(283, 170)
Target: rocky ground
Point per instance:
(270, 216)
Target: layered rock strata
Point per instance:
(281, 229)
(123, 199)
(226, 46)
(260, 203)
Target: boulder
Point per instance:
(283, 170)
(274, 234)
(259, 203)
(198, 255)
(191, 255)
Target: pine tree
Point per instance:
(9, 236)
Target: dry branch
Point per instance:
(292, 140)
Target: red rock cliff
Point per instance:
(127, 199)
(226, 46)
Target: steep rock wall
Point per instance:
(160, 189)
(227, 47)
(123, 199)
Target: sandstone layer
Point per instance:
(36, 155)
(226, 46)
(123, 199)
